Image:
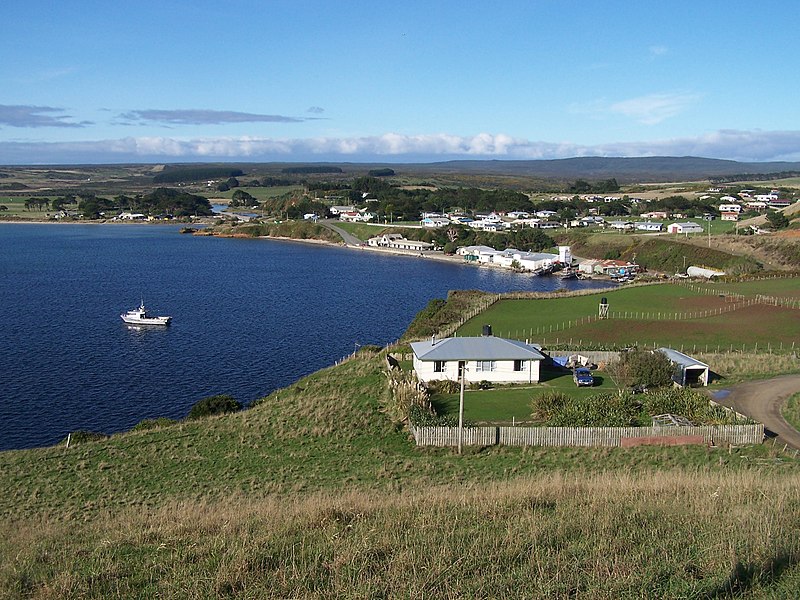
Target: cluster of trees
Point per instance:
(691, 207)
(581, 186)
(230, 182)
(162, 201)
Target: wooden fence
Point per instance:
(582, 436)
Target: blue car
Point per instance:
(583, 376)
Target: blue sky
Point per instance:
(372, 81)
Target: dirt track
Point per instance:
(762, 401)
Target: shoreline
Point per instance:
(430, 255)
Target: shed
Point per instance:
(688, 370)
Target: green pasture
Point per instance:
(362, 231)
(515, 317)
(507, 404)
(779, 286)
(16, 207)
(661, 315)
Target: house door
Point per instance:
(462, 364)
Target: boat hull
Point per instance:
(161, 321)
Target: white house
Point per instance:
(622, 225)
(648, 226)
(481, 254)
(396, 241)
(656, 214)
(737, 208)
(729, 216)
(688, 227)
(485, 358)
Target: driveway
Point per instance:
(762, 401)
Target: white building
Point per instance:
(485, 358)
(648, 226)
(688, 227)
(396, 241)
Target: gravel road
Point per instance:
(762, 401)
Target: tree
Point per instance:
(777, 220)
(643, 368)
(242, 198)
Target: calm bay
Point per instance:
(249, 316)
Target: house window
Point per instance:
(519, 365)
(485, 365)
(439, 366)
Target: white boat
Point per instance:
(139, 316)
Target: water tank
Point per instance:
(704, 272)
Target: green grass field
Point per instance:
(362, 231)
(661, 315)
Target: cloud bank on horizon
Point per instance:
(382, 81)
(746, 146)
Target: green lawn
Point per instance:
(512, 403)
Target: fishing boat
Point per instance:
(139, 316)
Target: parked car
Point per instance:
(583, 376)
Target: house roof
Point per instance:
(679, 358)
(475, 348)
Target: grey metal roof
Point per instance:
(475, 348)
(679, 358)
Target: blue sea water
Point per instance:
(249, 316)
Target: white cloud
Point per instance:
(654, 108)
(658, 50)
(728, 144)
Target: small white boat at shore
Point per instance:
(139, 316)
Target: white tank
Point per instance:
(704, 272)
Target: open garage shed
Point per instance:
(688, 371)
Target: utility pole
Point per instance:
(463, 368)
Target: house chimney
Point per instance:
(433, 340)
(487, 330)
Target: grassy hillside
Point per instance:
(666, 254)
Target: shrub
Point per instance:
(444, 386)
(214, 405)
(546, 405)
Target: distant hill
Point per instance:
(625, 170)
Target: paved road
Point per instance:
(348, 238)
(762, 401)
